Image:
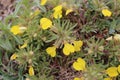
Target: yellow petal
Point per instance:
(112, 71)
(43, 2)
(15, 29)
(82, 62)
(118, 68)
(31, 71)
(14, 56)
(51, 51)
(57, 12)
(66, 51)
(107, 78)
(23, 46)
(45, 23)
(78, 45)
(68, 11)
(58, 8)
(79, 64)
(68, 48)
(106, 12)
(76, 78)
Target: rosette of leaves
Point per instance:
(95, 47)
(114, 26)
(94, 72)
(61, 32)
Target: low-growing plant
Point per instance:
(61, 40)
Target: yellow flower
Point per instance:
(43, 2)
(15, 30)
(107, 78)
(31, 71)
(77, 45)
(106, 12)
(14, 56)
(51, 51)
(45, 23)
(68, 48)
(68, 11)
(112, 71)
(79, 64)
(23, 46)
(76, 78)
(57, 12)
(118, 68)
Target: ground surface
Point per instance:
(6, 8)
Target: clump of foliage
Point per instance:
(61, 40)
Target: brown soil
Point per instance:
(6, 8)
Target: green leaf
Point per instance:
(17, 7)
(6, 45)
(0, 58)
